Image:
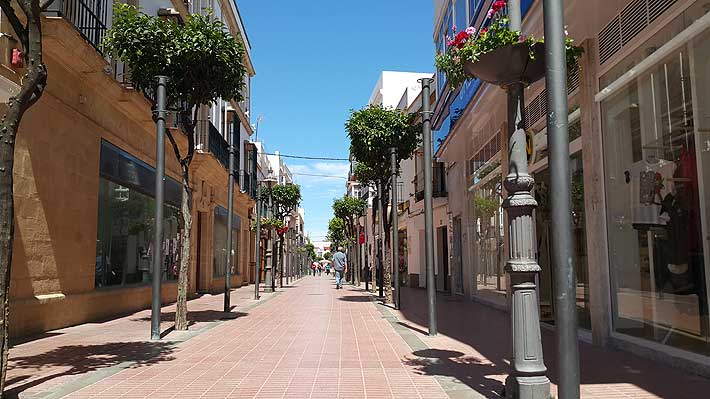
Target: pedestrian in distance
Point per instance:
(327, 270)
(340, 265)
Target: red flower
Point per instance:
(484, 31)
(498, 5)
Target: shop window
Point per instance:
(126, 214)
(485, 202)
(657, 160)
(544, 249)
(220, 242)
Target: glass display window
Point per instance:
(219, 264)
(656, 164)
(125, 237)
(544, 250)
(485, 201)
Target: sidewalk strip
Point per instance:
(67, 388)
(453, 387)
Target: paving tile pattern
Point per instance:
(310, 341)
(473, 347)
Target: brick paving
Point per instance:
(312, 341)
(64, 356)
(309, 341)
(473, 346)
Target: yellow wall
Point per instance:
(57, 183)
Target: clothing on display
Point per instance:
(650, 181)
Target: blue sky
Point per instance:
(315, 60)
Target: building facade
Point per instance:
(639, 160)
(84, 179)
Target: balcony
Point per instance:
(89, 17)
(209, 139)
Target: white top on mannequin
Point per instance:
(649, 185)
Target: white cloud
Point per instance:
(336, 172)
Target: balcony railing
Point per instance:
(208, 139)
(90, 17)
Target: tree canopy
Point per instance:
(348, 209)
(373, 130)
(285, 198)
(336, 232)
(201, 58)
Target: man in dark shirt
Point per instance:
(340, 265)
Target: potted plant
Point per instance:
(496, 54)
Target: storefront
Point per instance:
(485, 198)
(655, 118)
(125, 232)
(541, 172)
(219, 263)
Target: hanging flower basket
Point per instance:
(514, 63)
(496, 54)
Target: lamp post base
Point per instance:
(537, 387)
(268, 288)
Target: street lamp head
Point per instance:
(270, 179)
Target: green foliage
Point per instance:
(201, 59)
(328, 256)
(348, 209)
(466, 46)
(366, 175)
(336, 232)
(373, 130)
(484, 207)
(310, 250)
(285, 198)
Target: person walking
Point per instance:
(340, 265)
(327, 270)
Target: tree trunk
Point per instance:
(33, 84)
(186, 213)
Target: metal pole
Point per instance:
(257, 266)
(527, 378)
(268, 253)
(428, 203)
(381, 239)
(230, 210)
(281, 262)
(365, 251)
(561, 210)
(358, 252)
(395, 227)
(157, 274)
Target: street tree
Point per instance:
(203, 63)
(336, 233)
(349, 210)
(285, 200)
(373, 131)
(25, 19)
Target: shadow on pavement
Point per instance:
(465, 369)
(82, 359)
(487, 330)
(200, 316)
(355, 298)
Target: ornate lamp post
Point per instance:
(270, 181)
